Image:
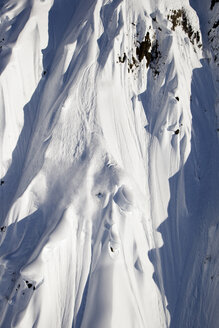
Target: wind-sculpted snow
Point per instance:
(109, 164)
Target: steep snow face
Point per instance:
(109, 163)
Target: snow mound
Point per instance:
(109, 163)
(124, 198)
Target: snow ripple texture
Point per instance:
(109, 157)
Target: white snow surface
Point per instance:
(109, 213)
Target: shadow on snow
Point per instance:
(184, 233)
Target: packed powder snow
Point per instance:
(109, 163)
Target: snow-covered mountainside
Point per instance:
(109, 122)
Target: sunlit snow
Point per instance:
(109, 167)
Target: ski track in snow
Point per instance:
(109, 164)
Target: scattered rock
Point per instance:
(99, 195)
(30, 285)
(187, 27)
(179, 17)
(3, 229)
(177, 131)
(132, 63)
(213, 2)
(175, 17)
(215, 24)
(122, 59)
(177, 98)
(207, 259)
(143, 49)
(155, 57)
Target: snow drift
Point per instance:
(109, 163)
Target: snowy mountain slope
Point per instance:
(109, 163)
